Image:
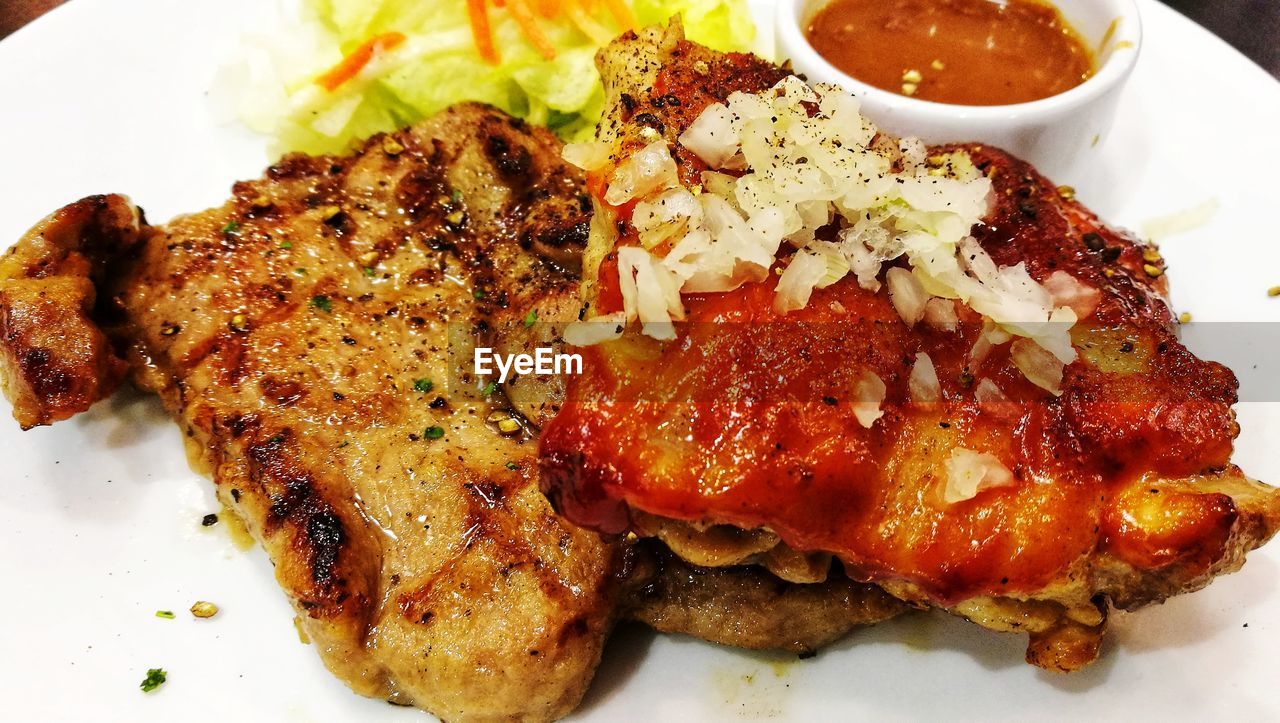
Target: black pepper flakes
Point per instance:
(650, 120)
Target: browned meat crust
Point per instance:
(1123, 490)
(747, 607)
(313, 337)
(54, 362)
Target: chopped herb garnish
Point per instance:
(322, 303)
(489, 388)
(166, 614)
(457, 195)
(155, 678)
(370, 271)
(300, 271)
(231, 227)
(344, 443)
(423, 385)
(433, 432)
(479, 294)
(512, 466)
(531, 317)
(286, 245)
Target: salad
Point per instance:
(337, 71)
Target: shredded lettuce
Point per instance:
(272, 86)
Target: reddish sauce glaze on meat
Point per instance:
(746, 419)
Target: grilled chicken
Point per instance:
(313, 338)
(747, 442)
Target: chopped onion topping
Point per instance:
(711, 136)
(605, 327)
(1038, 365)
(797, 159)
(815, 267)
(868, 393)
(665, 216)
(988, 393)
(1067, 291)
(650, 292)
(994, 401)
(798, 281)
(651, 169)
(907, 295)
(969, 473)
(991, 337)
(587, 155)
(941, 314)
(923, 382)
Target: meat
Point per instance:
(313, 339)
(301, 336)
(46, 303)
(746, 606)
(1117, 492)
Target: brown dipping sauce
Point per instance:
(967, 52)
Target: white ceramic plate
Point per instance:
(100, 517)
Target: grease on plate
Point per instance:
(1189, 219)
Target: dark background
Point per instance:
(1253, 26)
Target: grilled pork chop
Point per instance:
(313, 339)
(751, 434)
(300, 334)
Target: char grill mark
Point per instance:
(298, 510)
(54, 360)
(286, 332)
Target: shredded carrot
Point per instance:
(549, 8)
(480, 31)
(598, 33)
(355, 61)
(623, 14)
(525, 13)
(529, 26)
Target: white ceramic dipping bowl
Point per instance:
(1059, 134)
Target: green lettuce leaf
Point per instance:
(273, 89)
